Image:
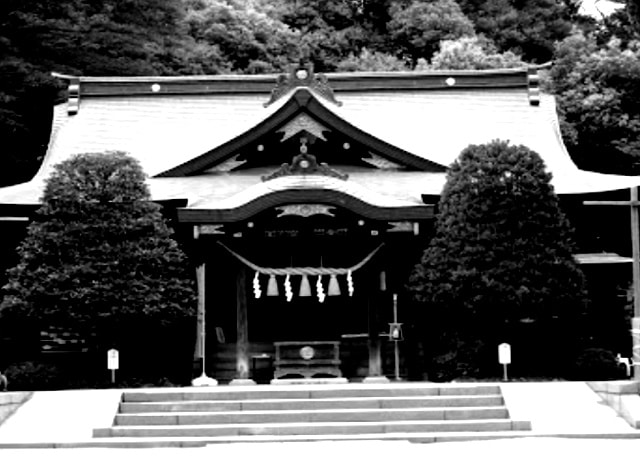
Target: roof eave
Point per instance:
(322, 196)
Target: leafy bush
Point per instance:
(60, 375)
(597, 364)
(33, 375)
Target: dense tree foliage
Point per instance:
(93, 37)
(527, 28)
(245, 39)
(614, 26)
(501, 256)
(329, 30)
(118, 37)
(472, 53)
(99, 258)
(598, 92)
(135, 37)
(633, 10)
(372, 61)
(418, 28)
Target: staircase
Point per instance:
(403, 411)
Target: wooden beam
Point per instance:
(314, 196)
(631, 203)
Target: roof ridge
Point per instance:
(265, 84)
(268, 76)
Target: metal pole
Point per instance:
(396, 349)
(203, 331)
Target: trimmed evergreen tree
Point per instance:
(100, 260)
(501, 258)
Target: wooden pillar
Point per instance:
(201, 309)
(242, 331)
(201, 348)
(373, 310)
(635, 322)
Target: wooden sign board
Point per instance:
(504, 353)
(113, 359)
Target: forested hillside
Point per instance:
(595, 76)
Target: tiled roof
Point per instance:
(165, 129)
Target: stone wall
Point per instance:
(10, 401)
(623, 396)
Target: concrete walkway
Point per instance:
(564, 409)
(60, 416)
(510, 452)
(560, 409)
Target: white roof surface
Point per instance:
(164, 131)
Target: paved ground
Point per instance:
(61, 416)
(556, 410)
(565, 408)
(520, 452)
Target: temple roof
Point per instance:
(212, 139)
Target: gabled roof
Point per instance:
(192, 134)
(301, 102)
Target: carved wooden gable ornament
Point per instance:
(302, 76)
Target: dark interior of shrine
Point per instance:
(339, 241)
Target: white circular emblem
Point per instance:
(306, 352)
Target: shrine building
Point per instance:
(307, 198)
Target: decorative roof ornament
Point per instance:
(305, 164)
(303, 122)
(533, 84)
(73, 92)
(380, 162)
(305, 210)
(227, 165)
(302, 76)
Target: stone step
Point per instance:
(314, 403)
(313, 428)
(291, 412)
(302, 392)
(330, 415)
